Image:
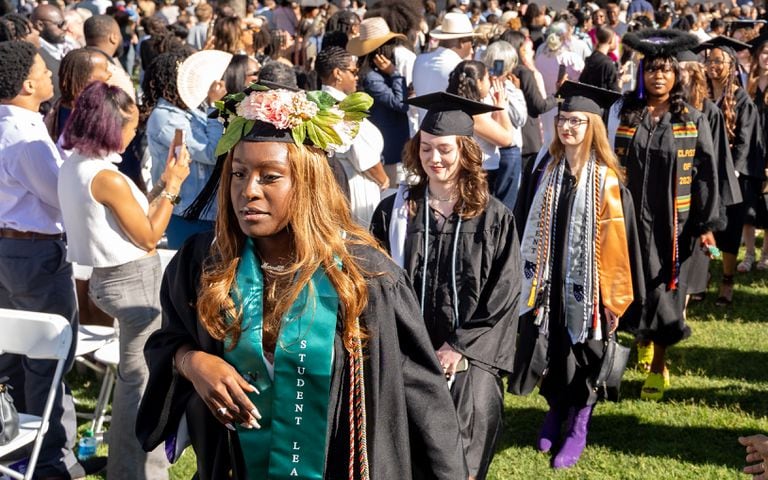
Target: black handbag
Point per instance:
(615, 357)
(9, 417)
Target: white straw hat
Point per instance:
(198, 72)
(374, 32)
(455, 25)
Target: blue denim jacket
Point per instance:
(201, 135)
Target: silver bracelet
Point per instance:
(183, 360)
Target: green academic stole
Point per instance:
(294, 406)
(686, 135)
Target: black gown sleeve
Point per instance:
(536, 103)
(380, 221)
(528, 186)
(631, 318)
(730, 192)
(746, 119)
(489, 334)
(705, 198)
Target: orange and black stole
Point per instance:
(685, 134)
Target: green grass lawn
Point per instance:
(719, 391)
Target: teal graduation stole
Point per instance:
(291, 443)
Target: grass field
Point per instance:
(719, 391)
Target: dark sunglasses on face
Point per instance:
(60, 24)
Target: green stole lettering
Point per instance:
(685, 134)
(291, 443)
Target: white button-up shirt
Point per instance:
(431, 71)
(29, 171)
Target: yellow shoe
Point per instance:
(645, 356)
(666, 378)
(653, 388)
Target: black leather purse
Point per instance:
(9, 417)
(615, 357)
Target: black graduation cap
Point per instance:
(757, 43)
(726, 44)
(655, 43)
(687, 56)
(580, 97)
(449, 114)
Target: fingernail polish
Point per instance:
(246, 425)
(255, 424)
(229, 426)
(255, 413)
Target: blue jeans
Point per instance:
(35, 276)
(508, 176)
(130, 293)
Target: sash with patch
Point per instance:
(686, 135)
(294, 403)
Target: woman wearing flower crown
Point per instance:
(292, 344)
(459, 247)
(581, 269)
(665, 145)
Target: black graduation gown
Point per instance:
(412, 428)
(488, 286)
(488, 280)
(571, 368)
(730, 193)
(757, 211)
(651, 173)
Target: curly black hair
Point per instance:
(16, 60)
(160, 80)
(14, 27)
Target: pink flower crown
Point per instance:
(310, 116)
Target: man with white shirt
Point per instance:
(49, 21)
(34, 272)
(431, 70)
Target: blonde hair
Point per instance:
(321, 239)
(697, 86)
(596, 137)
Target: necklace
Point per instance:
(451, 198)
(272, 268)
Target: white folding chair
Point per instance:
(40, 336)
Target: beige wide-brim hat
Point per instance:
(455, 25)
(198, 72)
(374, 32)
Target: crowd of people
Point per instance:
(382, 212)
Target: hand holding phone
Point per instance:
(178, 142)
(498, 68)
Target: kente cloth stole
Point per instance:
(685, 135)
(291, 443)
(597, 265)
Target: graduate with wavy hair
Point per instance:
(459, 247)
(291, 343)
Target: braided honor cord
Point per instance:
(357, 413)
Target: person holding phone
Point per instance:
(112, 227)
(493, 128)
(459, 246)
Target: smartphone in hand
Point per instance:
(498, 68)
(178, 142)
(560, 73)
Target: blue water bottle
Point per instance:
(86, 447)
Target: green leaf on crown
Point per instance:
(356, 102)
(299, 133)
(324, 100)
(238, 127)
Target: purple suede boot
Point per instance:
(576, 439)
(550, 430)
